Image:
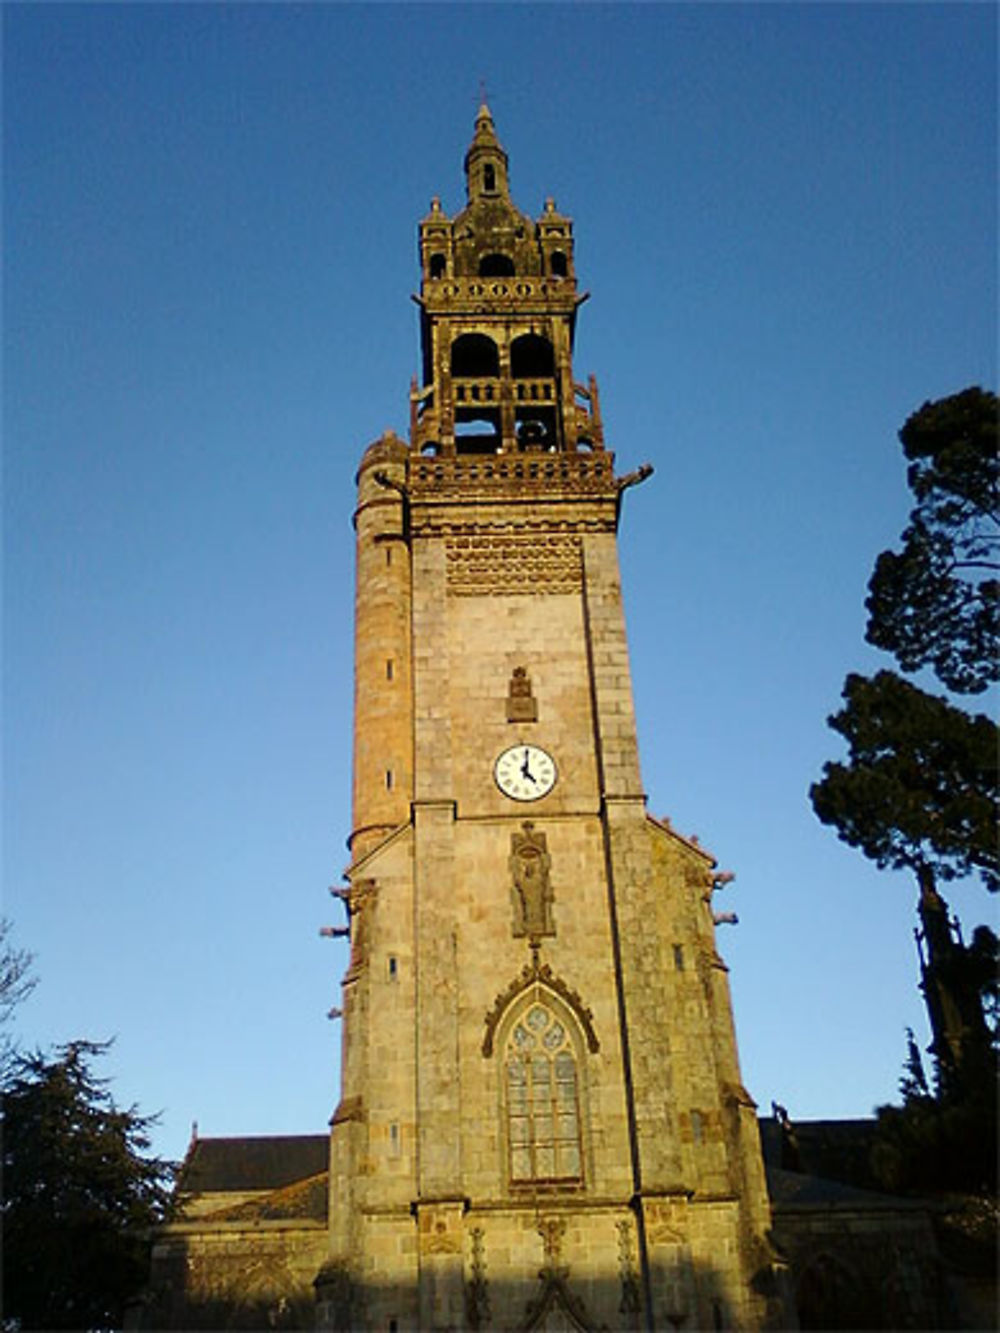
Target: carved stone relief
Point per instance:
(666, 1221)
(531, 893)
(440, 1231)
(477, 1299)
(552, 1230)
(522, 706)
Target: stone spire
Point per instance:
(485, 161)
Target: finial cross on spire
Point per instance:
(485, 97)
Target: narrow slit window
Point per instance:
(388, 779)
(388, 669)
(393, 967)
(679, 957)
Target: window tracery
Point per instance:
(542, 1098)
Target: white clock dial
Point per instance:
(525, 772)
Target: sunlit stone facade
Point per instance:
(542, 1122)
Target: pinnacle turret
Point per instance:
(485, 161)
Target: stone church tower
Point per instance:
(542, 1123)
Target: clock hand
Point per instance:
(526, 771)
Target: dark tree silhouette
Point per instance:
(79, 1194)
(936, 602)
(919, 790)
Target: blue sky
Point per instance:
(786, 216)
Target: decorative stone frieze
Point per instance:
(495, 565)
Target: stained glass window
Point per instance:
(543, 1109)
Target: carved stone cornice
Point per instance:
(443, 521)
(531, 475)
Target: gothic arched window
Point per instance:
(542, 1099)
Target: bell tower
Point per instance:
(498, 304)
(542, 1122)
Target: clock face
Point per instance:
(525, 772)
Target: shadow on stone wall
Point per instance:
(828, 1288)
(555, 1301)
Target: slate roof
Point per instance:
(265, 1163)
(825, 1164)
(305, 1200)
(793, 1189)
(833, 1149)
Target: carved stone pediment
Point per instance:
(536, 973)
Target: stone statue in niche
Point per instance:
(522, 706)
(531, 892)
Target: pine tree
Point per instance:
(936, 602)
(80, 1195)
(919, 789)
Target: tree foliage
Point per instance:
(936, 602)
(938, 1145)
(920, 787)
(79, 1194)
(983, 965)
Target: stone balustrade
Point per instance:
(437, 291)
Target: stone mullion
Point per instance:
(443, 392)
(508, 422)
(565, 395)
